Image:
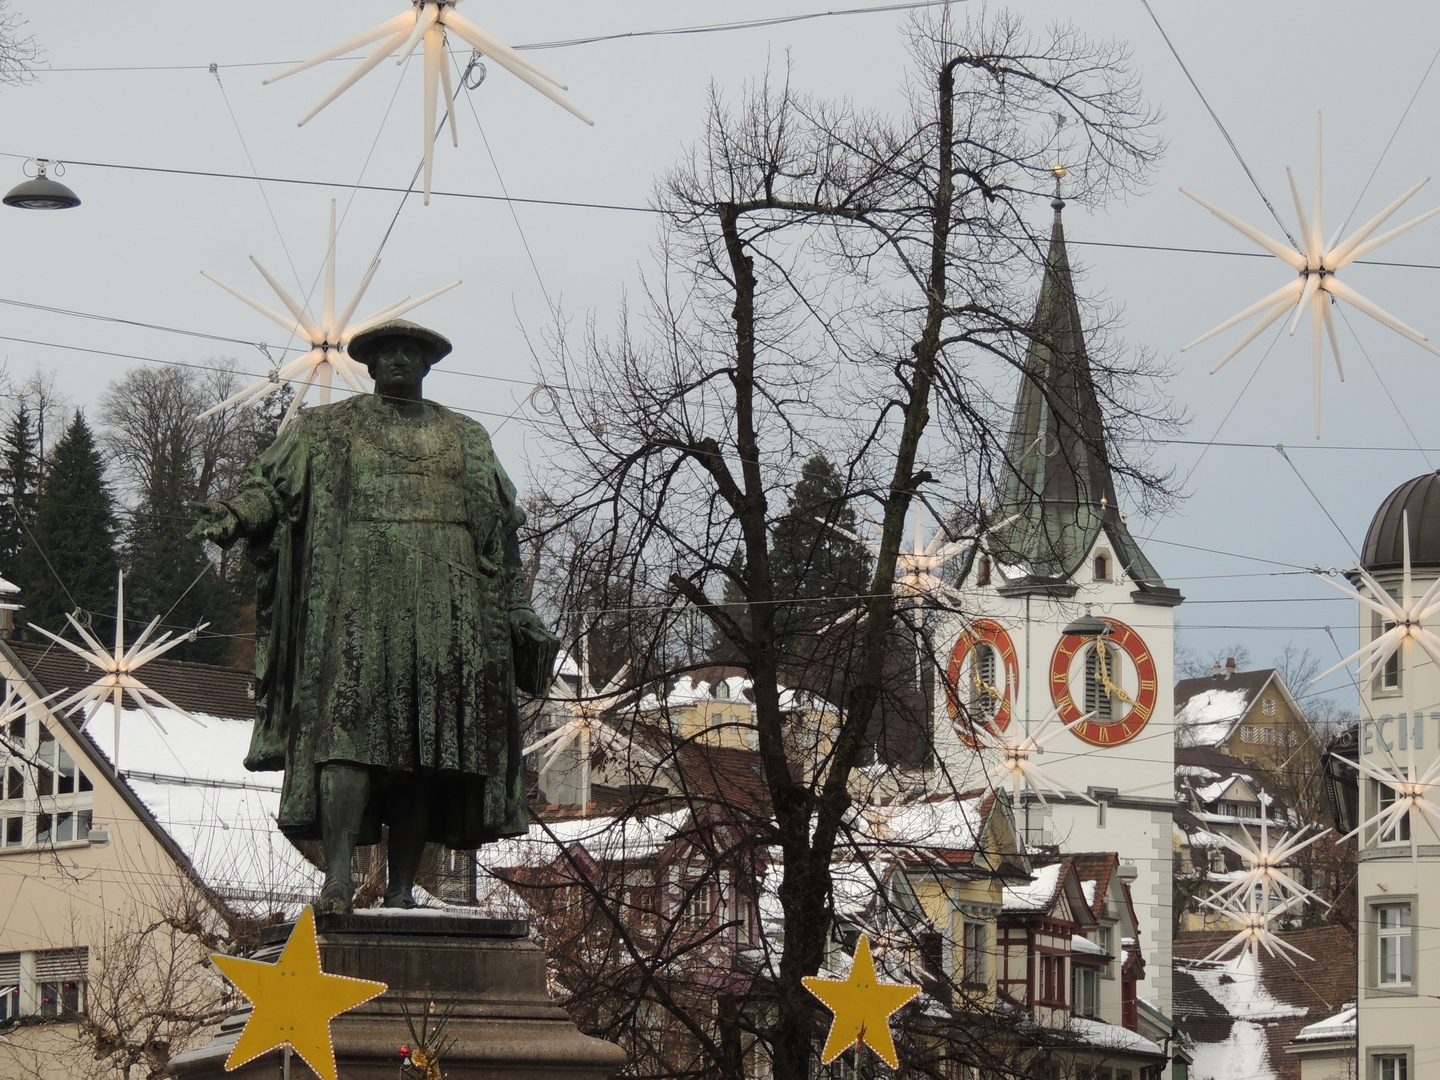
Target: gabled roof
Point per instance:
(1242, 1014)
(188, 786)
(1208, 709)
(1058, 483)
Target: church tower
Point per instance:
(1064, 613)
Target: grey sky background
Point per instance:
(135, 248)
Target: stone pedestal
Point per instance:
(503, 1023)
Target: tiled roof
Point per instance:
(204, 688)
(1307, 994)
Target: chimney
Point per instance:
(1229, 666)
(1215, 671)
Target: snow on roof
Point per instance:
(1210, 792)
(1245, 1051)
(1208, 717)
(193, 781)
(1079, 943)
(7, 589)
(1339, 1026)
(1088, 889)
(728, 686)
(1236, 985)
(1196, 772)
(1114, 1037)
(606, 838)
(932, 824)
(1037, 894)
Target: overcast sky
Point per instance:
(135, 248)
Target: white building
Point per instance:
(1064, 611)
(1399, 898)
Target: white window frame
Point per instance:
(1399, 833)
(45, 820)
(28, 978)
(1405, 939)
(975, 953)
(1105, 938)
(1085, 990)
(1396, 1055)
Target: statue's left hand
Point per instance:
(217, 523)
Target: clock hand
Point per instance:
(1103, 653)
(982, 687)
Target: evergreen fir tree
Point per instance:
(19, 487)
(809, 560)
(72, 540)
(168, 575)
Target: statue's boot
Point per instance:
(344, 793)
(409, 819)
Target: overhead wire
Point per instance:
(250, 158)
(561, 43)
(1225, 134)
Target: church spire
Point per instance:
(1058, 486)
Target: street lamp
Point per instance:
(1088, 625)
(40, 192)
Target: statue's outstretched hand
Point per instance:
(217, 523)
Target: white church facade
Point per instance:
(1063, 613)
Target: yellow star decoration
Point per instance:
(862, 1005)
(294, 1001)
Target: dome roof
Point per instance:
(1384, 547)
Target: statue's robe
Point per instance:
(392, 622)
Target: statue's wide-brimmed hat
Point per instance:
(362, 346)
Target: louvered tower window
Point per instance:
(986, 703)
(1097, 701)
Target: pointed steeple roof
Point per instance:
(1057, 483)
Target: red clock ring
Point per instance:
(988, 632)
(1115, 732)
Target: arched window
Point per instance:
(1102, 568)
(1097, 698)
(982, 576)
(722, 690)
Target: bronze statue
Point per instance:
(392, 622)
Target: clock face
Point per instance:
(1121, 682)
(982, 678)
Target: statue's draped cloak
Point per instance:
(392, 623)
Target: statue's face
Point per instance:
(398, 366)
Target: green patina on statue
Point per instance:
(392, 624)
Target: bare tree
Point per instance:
(18, 50)
(148, 409)
(831, 280)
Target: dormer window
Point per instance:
(1102, 567)
(722, 690)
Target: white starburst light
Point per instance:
(917, 570)
(1255, 917)
(1266, 863)
(428, 21)
(1316, 284)
(118, 668)
(327, 339)
(1411, 786)
(1407, 617)
(14, 706)
(1015, 754)
(585, 727)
